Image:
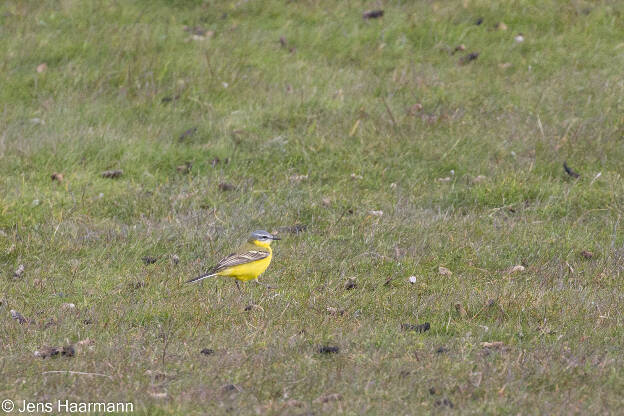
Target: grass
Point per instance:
(318, 132)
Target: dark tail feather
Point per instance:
(202, 277)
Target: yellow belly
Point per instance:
(247, 271)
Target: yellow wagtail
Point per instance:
(246, 264)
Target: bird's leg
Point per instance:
(240, 292)
(265, 285)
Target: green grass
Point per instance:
(334, 108)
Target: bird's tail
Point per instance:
(202, 277)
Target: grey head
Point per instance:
(263, 236)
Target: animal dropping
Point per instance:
(587, 254)
(224, 187)
(468, 58)
(327, 349)
(569, 171)
(373, 14)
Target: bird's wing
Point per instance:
(237, 259)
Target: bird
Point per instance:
(246, 264)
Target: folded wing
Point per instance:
(238, 259)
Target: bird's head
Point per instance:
(262, 238)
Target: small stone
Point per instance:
(444, 271)
(19, 271)
(515, 269)
(412, 279)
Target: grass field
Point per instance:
(375, 147)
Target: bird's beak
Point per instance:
(273, 237)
